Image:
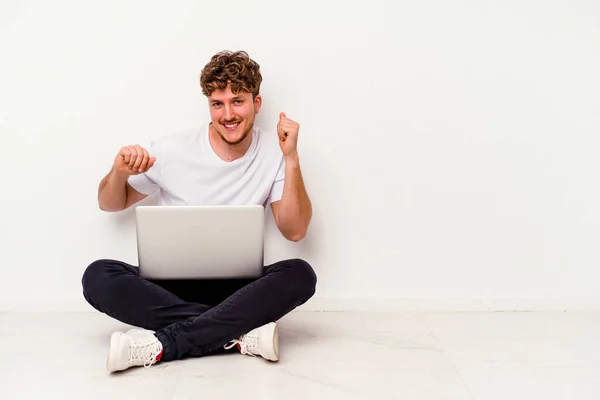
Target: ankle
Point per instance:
(166, 354)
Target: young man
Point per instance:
(228, 161)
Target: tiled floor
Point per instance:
(349, 355)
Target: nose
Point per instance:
(229, 114)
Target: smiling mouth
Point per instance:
(231, 127)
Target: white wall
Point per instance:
(450, 148)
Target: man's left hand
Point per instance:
(287, 130)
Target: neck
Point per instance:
(226, 151)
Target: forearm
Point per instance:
(112, 192)
(295, 209)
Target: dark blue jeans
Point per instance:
(193, 318)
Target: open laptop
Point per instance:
(200, 242)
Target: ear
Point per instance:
(257, 103)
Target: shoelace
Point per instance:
(145, 351)
(248, 345)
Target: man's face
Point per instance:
(233, 115)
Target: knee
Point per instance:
(91, 274)
(305, 277)
(94, 278)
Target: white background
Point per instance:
(450, 148)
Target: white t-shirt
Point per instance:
(187, 171)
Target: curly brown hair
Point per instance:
(235, 68)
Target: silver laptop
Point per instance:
(200, 242)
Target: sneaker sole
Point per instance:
(113, 352)
(271, 336)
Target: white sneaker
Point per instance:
(134, 348)
(263, 341)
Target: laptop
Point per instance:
(200, 242)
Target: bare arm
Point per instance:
(115, 194)
(294, 211)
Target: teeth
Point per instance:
(231, 125)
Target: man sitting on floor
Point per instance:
(230, 161)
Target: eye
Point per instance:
(239, 101)
(216, 104)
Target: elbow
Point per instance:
(296, 236)
(104, 207)
(293, 230)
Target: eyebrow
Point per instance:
(233, 99)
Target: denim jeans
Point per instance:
(193, 318)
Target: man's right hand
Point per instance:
(133, 160)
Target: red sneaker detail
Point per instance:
(159, 356)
